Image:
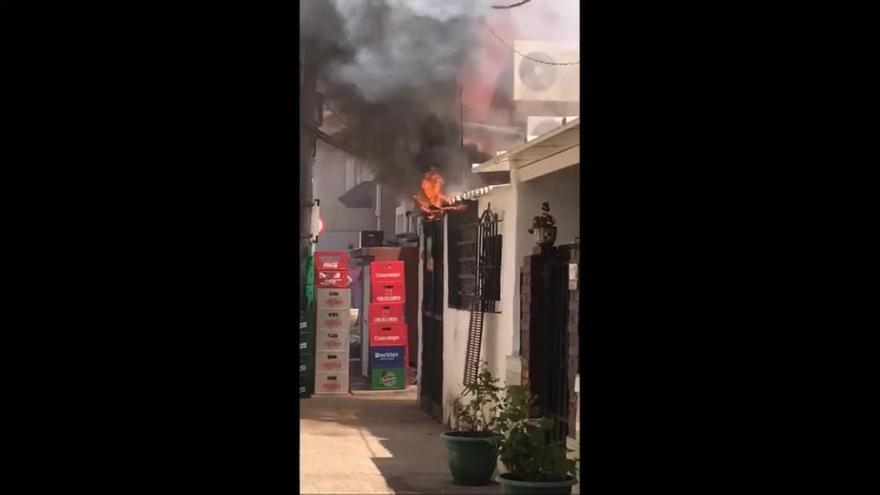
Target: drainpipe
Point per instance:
(378, 206)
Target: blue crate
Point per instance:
(387, 357)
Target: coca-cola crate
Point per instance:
(333, 298)
(382, 271)
(333, 319)
(332, 340)
(333, 382)
(332, 361)
(332, 279)
(387, 313)
(387, 292)
(387, 335)
(331, 260)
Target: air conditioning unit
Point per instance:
(535, 126)
(537, 81)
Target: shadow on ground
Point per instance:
(374, 443)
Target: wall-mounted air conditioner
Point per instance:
(537, 81)
(535, 126)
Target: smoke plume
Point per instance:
(391, 69)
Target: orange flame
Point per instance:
(432, 199)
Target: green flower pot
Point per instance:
(535, 487)
(472, 456)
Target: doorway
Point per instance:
(431, 399)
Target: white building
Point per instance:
(546, 169)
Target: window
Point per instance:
(465, 237)
(462, 247)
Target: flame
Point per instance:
(432, 199)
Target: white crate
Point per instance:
(333, 298)
(333, 319)
(328, 361)
(331, 383)
(332, 340)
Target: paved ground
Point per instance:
(373, 442)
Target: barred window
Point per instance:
(462, 248)
(463, 242)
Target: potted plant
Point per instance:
(535, 463)
(472, 446)
(544, 227)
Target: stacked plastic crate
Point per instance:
(388, 342)
(333, 302)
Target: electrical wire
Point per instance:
(514, 50)
(323, 136)
(511, 6)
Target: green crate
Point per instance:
(388, 378)
(306, 364)
(306, 384)
(306, 359)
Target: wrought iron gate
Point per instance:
(431, 394)
(549, 346)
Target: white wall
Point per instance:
(337, 240)
(562, 190)
(334, 173)
(559, 188)
(330, 165)
(497, 328)
(517, 204)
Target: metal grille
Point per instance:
(548, 341)
(486, 290)
(557, 383)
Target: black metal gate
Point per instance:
(549, 340)
(431, 395)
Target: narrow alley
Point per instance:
(435, 136)
(373, 442)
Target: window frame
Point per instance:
(461, 245)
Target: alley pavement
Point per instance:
(373, 442)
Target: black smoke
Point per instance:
(390, 70)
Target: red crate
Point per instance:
(387, 335)
(387, 292)
(331, 260)
(332, 279)
(384, 271)
(386, 313)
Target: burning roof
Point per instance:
(433, 202)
